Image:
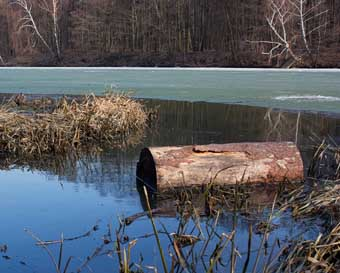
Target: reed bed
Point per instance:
(70, 125)
(323, 200)
(326, 161)
(319, 256)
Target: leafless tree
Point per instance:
(2, 61)
(27, 22)
(281, 16)
(293, 24)
(312, 18)
(53, 8)
(206, 32)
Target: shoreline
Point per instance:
(328, 114)
(224, 69)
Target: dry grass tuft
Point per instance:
(319, 256)
(316, 202)
(114, 119)
(326, 161)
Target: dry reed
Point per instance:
(319, 256)
(71, 125)
(197, 245)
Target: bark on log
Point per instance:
(162, 168)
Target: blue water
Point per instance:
(48, 206)
(48, 199)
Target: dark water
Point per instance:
(50, 199)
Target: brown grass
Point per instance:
(114, 119)
(319, 256)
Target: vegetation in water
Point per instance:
(41, 127)
(197, 244)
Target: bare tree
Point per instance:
(53, 8)
(281, 15)
(27, 22)
(312, 18)
(2, 61)
(213, 32)
(293, 24)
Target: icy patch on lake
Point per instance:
(299, 98)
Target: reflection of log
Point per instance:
(172, 167)
(250, 200)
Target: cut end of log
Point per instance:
(146, 170)
(161, 168)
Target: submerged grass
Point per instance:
(70, 125)
(198, 244)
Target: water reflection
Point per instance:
(196, 123)
(64, 194)
(185, 123)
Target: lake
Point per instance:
(315, 90)
(50, 198)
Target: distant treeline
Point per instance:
(170, 32)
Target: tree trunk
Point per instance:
(161, 168)
(2, 62)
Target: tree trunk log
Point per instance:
(162, 168)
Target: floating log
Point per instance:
(162, 168)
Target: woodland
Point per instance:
(222, 33)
